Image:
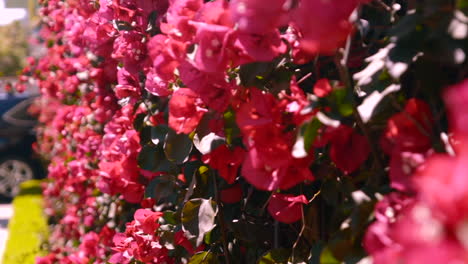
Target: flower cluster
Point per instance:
(428, 222)
(191, 131)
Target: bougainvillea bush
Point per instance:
(254, 131)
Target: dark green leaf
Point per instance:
(161, 187)
(169, 167)
(190, 168)
(177, 147)
(169, 217)
(139, 121)
(158, 134)
(204, 257)
(253, 74)
(310, 133)
(150, 157)
(275, 256)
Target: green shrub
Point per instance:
(28, 226)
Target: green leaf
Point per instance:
(161, 187)
(204, 257)
(139, 121)
(310, 133)
(253, 74)
(230, 126)
(275, 256)
(145, 135)
(158, 134)
(198, 218)
(327, 257)
(170, 217)
(190, 168)
(177, 147)
(342, 101)
(463, 6)
(168, 167)
(150, 157)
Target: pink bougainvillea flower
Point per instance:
(348, 149)
(216, 13)
(402, 167)
(129, 47)
(410, 130)
(213, 88)
(178, 15)
(148, 220)
(181, 240)
(165, 54)
(322, 87)
(456, 98)
(185, 111)
(259, 47)
(324, 25)
(128, 84)
(246, 14)
(154, 84)
(378, 240)
(268, 178)
(225, 161)
(140, 242)
(286, 208)
(215, 43)
(443, 186)
(259, 112)
(296, 102)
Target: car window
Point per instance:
(19, 115)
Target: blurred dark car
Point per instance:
(17, 160)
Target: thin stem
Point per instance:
(266, 204)
(221, 220)
(304, 78)
(276, 239)
(383, 5)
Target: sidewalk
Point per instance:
(6, 211)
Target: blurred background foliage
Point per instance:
(13, 48)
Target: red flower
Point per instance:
(324, 25)
(225, 161)
(348, 149)
(286, 208)
(212, 87)
(259, 47)
(322, 87)
(148, 220)
(410, 130)
(185, 111)
(456, 98)
(266, 177)
(247, 14)
(214, 44)
(402, 167)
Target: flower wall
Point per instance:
(252, 131)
